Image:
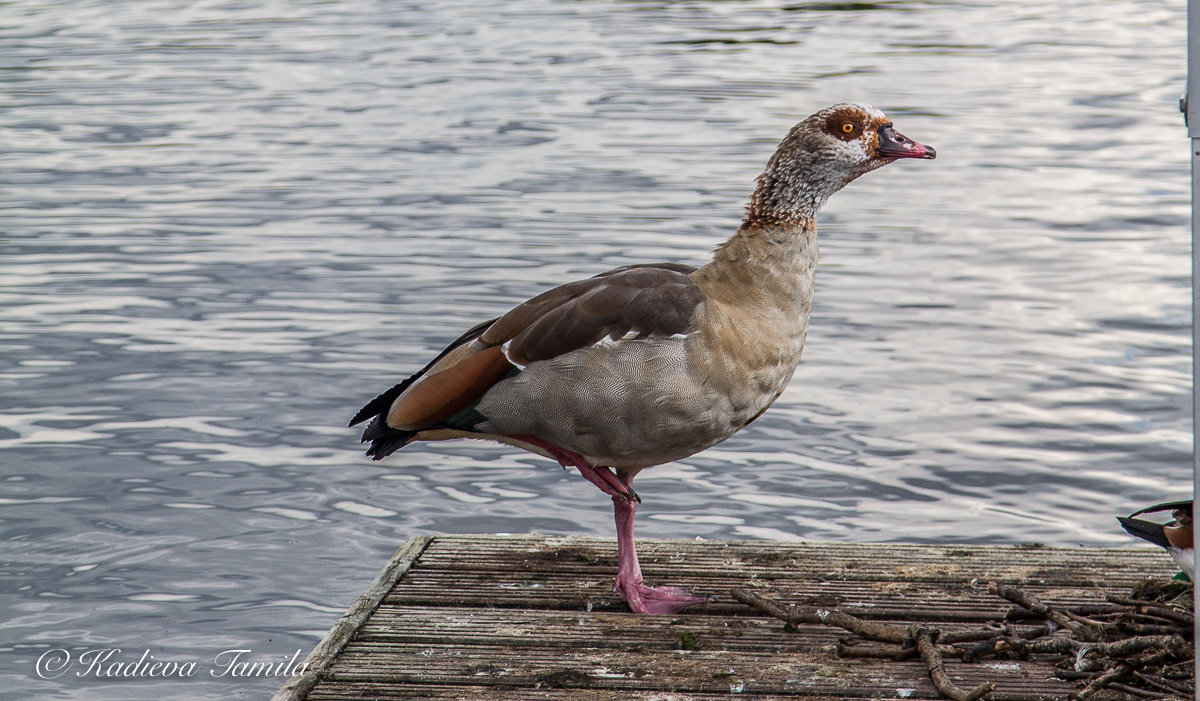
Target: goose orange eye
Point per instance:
(847, 128)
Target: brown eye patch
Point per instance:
(844, 125)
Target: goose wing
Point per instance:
(637, 300)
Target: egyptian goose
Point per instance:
(1175, 536)
(647, 364)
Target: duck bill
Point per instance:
(893, 144)
(1146, 530)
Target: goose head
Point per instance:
(824, 153)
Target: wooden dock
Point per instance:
(534, 617)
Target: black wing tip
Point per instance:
(384, 447)
(380, 405)
(384, 439)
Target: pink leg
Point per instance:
(641, 598)
(602, 477)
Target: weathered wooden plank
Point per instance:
(576, 573)
(518, 629)
(821, 561)
(526, 628)
(357, 691)
(528, 617)
(323, 655)
(699, 671)
(568, 593)
(548, 629)
(564, 591)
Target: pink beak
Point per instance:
(893, 144)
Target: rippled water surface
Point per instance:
(225, 225)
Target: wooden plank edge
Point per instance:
(552, 540)
(323, 655)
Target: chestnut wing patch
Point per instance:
(380, 404)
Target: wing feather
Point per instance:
(440, 395)
(380, 404)
(644, 300)
(633, 301)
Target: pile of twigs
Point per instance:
(1135, 647)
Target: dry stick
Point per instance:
(1134, 691)
(1147, 629)
(1176, 649)
(884, 652)
(1002, 640)
(1151, 609)
(970, 636)
(1097, 609)
(994, 646)
(871, 630)
(1032, 633)
(1031, 602)
(1118, 648)
(1174, 645)
(1092, 656)
(1101, 627)
(1164, 683)
(1115, 674)
(1171, 648)
(937, 671)
(847, 648)
(1067, 646)
(881, 632)
(1133, 618)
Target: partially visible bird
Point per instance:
(1175, 536)
(647, 364)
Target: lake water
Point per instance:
(226, 225)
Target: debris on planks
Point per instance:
(524, 618)
(1137, 645)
